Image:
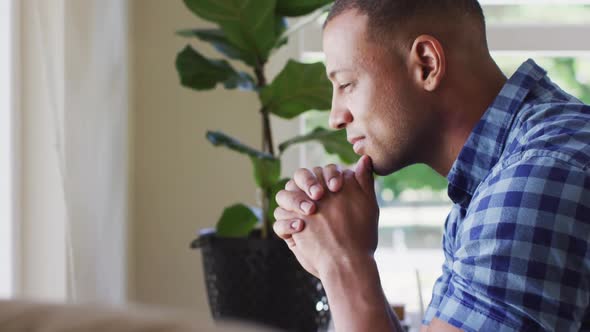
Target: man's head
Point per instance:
(403, 20)
(391, 62)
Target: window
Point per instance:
(6, 215)
(413, 202)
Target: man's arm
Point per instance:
(357, 302)
(337, 243)
(356, 299)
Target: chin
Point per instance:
(384, 171)
(380, 168)
(386, 167)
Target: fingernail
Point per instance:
(314, 190)
(295, 224)
(333, 182)
(306, 206)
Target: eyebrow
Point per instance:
(335, 72)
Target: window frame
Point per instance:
(501, 38)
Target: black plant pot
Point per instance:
(260, 281)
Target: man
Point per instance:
(414, 83)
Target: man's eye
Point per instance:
(344, 86)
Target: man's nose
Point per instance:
(340, 116)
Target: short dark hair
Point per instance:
(387, 16)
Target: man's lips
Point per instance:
(355, 139)
(357, 144)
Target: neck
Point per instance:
(469, 93)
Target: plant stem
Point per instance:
(267, 142)
(267, 133)
(267, 146)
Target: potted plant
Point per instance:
(251, 274)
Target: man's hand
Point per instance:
(344, 228)
(314, 183)
(298, 198)
(338, 244)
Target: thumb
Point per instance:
(364, 174)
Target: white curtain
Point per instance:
(96, 141)
(6, 100)
(83, 62)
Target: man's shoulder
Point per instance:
(559, 128)
(530, 169)
(536, 187)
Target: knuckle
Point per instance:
(292, 186)
(309, 182)
(303, 176)
(280, 196)
(331, 172)
(289, 184)
(277, 213)
(287, 200)
(332, 167)
(282, 214)
(301, 173)
(295, 200)
(278, 227)
(319, 172)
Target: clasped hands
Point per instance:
(329, 217)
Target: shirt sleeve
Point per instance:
(441, 284)
(521, 259)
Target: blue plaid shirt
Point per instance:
(516, 241)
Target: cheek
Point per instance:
(381, 113)
(377, 112)
(362, 104)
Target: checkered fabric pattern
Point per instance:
(517, 239)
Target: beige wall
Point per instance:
(181, 182)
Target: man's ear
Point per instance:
(428, 62)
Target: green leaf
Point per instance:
(199, 73)
(217, 38)
(299, 7)
(334, 142)
(299, 87)
(248, 24)
(218, 138)
(267, 168)
(281, 28)
(417, 176)
(236, 221)
(241, 81)
(278, 186)
(266, 171)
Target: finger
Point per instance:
(319, 175)
(308, 182)
(333, 177)
(295, 201)
(290, 243)
(364, 174)
(286, 228)
(291, 186)
(282, 214)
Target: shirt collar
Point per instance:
(485, 144)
